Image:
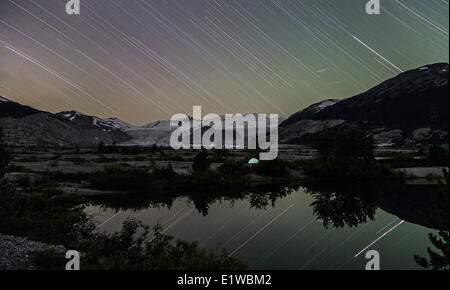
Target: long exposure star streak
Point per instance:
(143, 60)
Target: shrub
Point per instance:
(438, 256)
(42, 216)
(344, 144)
(201, 162)
(276, 168)
(347, 154)
(49, 260)
(438, 155)
(134, 248)
(119, 178)
(5, 157)
(235, 167)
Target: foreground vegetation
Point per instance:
(41, 211)
(46, 214)
(135, 247)
(203, 186)
(347, 154)
(439, 256)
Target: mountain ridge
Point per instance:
(410, 108)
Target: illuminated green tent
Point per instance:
(253, 161)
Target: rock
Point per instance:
(16, 252)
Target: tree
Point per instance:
(5, 157)
(438, 155)
(114, 147)
(201, 162)
(136, 247)
(101, 147)
(438, 260)
(347, 154)
(345, 144)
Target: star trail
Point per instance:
(143, 60)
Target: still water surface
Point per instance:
(288, 235)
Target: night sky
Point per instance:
(143, 60)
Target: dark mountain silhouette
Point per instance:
(308, 112)
(409, 108)
(10, 109)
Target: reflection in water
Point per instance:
(426, 205)
(439, 255)
(353, 204)
(341, 205)
(349, 218)
(259, 197)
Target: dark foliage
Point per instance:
(346, 154)
(235, 167)
(161, 186)
(274, 168)
(438, 155)
(201, 161)
(5, 157)
(135, 248)
(439, 257)
(101, 147)
(345, 204)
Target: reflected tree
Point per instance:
(259, 197)
(438, 258)
(341, 205)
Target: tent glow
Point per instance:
(253, 161)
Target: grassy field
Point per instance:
(69, 168)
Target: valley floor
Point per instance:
(31, 165)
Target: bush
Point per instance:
(119, 178)
(344, 144)
(201, 162)
(438, 155)
(438, 256)
(134, 248)
(235, 167)
(45, 216)
(5, 157)
(275, 168)
(49, 260)
(347, 154)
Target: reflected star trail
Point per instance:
(143, 60)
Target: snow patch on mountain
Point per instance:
(327, 103)
(71, 115)
(118, 124)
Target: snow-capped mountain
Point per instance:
(107, 125)
(411, 108)
(118, 124)
(308, 112)
(25, 126)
